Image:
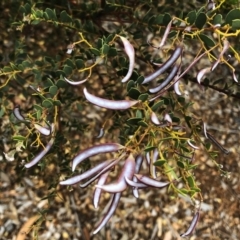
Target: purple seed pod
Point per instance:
(43, 130)
(168, 118)
(217, 144)
(234, 76)
(192, 225)
(205, 130)
(40, 155)
(138, 161)
(114, 202)
(98, 191)
(109, 104)
(166, 81)
(91, 151)
(76, 83)
(18, 115)
(201, 73)
(225, 48)
(87, 174)
(176, 88)
(129, 49)
(135, 184)
(94, 177)
(101, 133)
(172, 59)
(165, 35)
(151, 182)
(155, 119)
(148, 158)
(154, 159)
(191, 145)
(121, 185)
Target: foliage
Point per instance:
(58, 41)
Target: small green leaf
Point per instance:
(37, 107)
(65, 17)
(79, 63)
(181, 164)
(143, 97)
(57, 103)
(112, 52)
(133, 121)
(201, 20)
(51, 14)
(159, 162)
(130, 85)
(149, 148)
(95, 51)
(27, 6)
(53, 90)
(105, 49)
(35, 22)
(67, 70)
(134, 93)
(232, 15)
(69, 63)
(159, 19)
(47, 103)
(190, 181)
(2, 112)
(140, 79)
(217, 19)
(19, 138)
(61, 83)
(236, 24)
(166, 18)
(157, 105)
(208, 42)
(191, 17)
(143, 124)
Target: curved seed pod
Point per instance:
(76, 83)
(36, 159)
(191, 145)
(201, 73)
(192, 225)
(87, 174)
(225, 48)
(172, 59)
(138, 164)
(168, 118)
(109, 104)
(217, 143)
(234, 77)
(148, 158)
(101, 148)
(129, 49)
(18, 115)
(110, 212)
(205, 130)
(164, 38)
(151, 182)
(154, 159)
(176, 88)
(101, 133)
(155, 119)
(135, 184)
(43, 130)
(121, 185)
(98, 191)
(166, 81)
(93, 178)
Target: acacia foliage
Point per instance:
(60, 42)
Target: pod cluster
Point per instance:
(128, 176)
